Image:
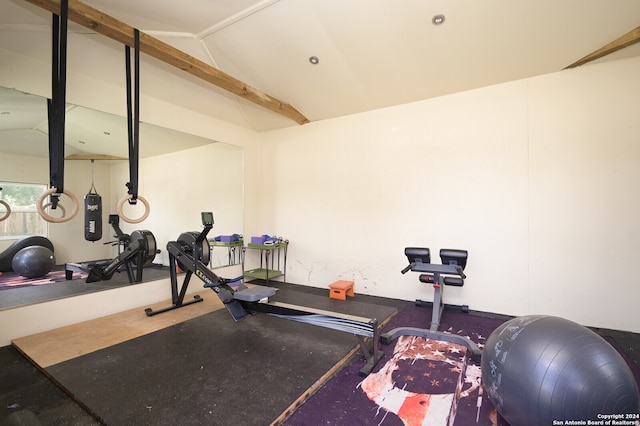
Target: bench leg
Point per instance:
(372, 356)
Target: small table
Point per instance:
(267, 270)
(233, 250)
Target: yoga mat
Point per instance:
(12, 280)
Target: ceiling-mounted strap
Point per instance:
(56, 115)
(56, 105)
(133, 122)
(133, 116)
(93, 189)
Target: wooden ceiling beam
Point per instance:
(106, 25)
(621, 42)
(94, 157)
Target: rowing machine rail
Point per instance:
(188, 253)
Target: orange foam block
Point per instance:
(341, 289)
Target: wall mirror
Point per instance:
(24, 133)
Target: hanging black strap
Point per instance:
(93, 189)
(56, 105)
(133, 116)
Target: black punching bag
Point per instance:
(92, 215)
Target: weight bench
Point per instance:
(450, 272)
(252, 299)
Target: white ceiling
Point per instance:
(372, 53)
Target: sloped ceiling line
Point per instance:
(106, 25)
(236, 101)
(630, 38)
(236, 18)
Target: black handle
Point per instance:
(230, 280)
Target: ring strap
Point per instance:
(57, 104)
(133, 115)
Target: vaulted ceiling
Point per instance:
(371, 53)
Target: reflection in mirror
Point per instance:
(24, 130)
(180, 175)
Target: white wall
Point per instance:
(536, 178)
(181, 185)
(584, 131)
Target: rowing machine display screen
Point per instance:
(207, 218)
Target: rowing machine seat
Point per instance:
(254, 294)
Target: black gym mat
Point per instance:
(211, 370)
(26, 394)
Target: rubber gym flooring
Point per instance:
(188, 366)
(193, 365)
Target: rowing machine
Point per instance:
(140, 251)
(135, 251)
(191, 253)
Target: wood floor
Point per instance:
(52, 347)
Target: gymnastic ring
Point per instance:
(59, 206)
(125, 218)
(64, 218)
(6, 206)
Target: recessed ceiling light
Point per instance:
(314, 60)
(438, 20)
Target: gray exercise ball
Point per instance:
(33, 261)
(537, 369)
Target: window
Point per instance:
(24, 219)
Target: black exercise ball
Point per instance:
(537, 369)
(33, 261)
